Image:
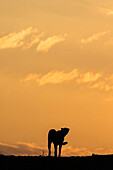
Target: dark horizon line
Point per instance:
(45, 156)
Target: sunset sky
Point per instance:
(56, 70)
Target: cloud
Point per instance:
(26, 38)
(93, 37)
(83, 151)
(45, 45)
(78, 151)
(21, 148)
(106, 11)
(98, 80)
(110, 12)
(103, 151)
(8, 145)
(24, 148)
(34, 40)
(89, 77)
(53, 77)
(102, 85)
(32, 149)
(16, 39)
(56, 77)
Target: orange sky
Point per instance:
(56, 70)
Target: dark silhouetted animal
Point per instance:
(57, 137)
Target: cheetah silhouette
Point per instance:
(57, 138)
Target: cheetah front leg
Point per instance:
(55, 148)
(60, 147)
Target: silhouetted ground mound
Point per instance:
(94, 162)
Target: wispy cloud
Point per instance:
(103, 85)
(16, 39)
(8, 145)
(21, 148)
(93, 37)
(55, 77)
(83, 151)
(26, 38)
(110, 12)
(78, 151)
(34, 39)
(89, 77)
(97, 80)
(26, 148)
(46, 44)
(106, 11)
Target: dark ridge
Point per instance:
(94, 162)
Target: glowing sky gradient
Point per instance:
(56, 70)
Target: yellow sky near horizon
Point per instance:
(56, 71)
